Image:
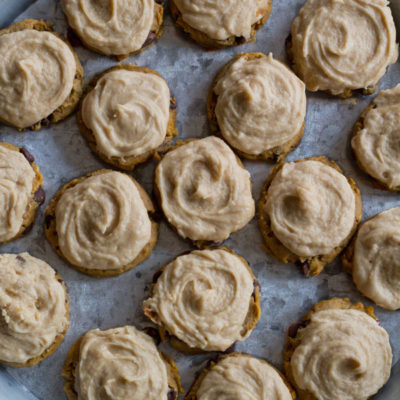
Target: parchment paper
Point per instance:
(63, 154)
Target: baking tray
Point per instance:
(63, 154)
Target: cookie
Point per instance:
(21, 191)
(205, 300)
(127, 115)
(376, 137)
(342, 47)
(217, 24)
(307, 213)
(120, 29)
(101, 223)
(34, 310)
(204, 190)
(257, 105)
(240, 376)
(373, 259)
(337, 350)
(100, 361)
(47, 83)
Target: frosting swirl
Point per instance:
(16, 184)
(127, 112)
(261, 104)
(377, 144)
(119, 364)
(376, 265)
(205, 191)
(242, 377)
(221, 19)
(341, 45)
(311, 207)
(343, 354)
(33, 309)
(37, 72)
(112, 27)
(102, 222)
(203, 299)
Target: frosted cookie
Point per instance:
(118, 364)
(337, 350)
(42, 78)
(376, 138)
(34, 310)
(215, 24)
(126, 114)
(343, 46)
(240, 376)
(373, 258)
(308, 212)
(258, 106)
(204, 190)
(101, 223)
(205, 300)
(21, 191)
(120, 28)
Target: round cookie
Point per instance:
(342, 47)
(373, 259)
(120, 28)
(308, 212)
(21, 191)
(337, 350)
(376, 139)
(217, 24)
(194, 305)
(101, 223)
(127, 115)
(204, 190)
(42, 75)
(239, 376)
(257, 105)
(34, 310)
(100, 361)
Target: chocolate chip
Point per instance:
(73, 38)
(47, 220)
(39, 196)
(240, 40)
(172, 395)
(152, 36)
(173, 105)
(27, 154)
(156, 276)
(305, 267)
(292, 331)
(28, 229)
(21, 259)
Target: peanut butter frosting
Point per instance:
(102, 222)
(343, 354)
(16, 183)
(261, 104)
(112, 27)
(377, 144)
(221, 19)
(127, 112)
(203, 299)
(343, 44)
(376, 262)
(37, 72)
(32, 307)
(243, 377)
(205, 191)
(311, 207)
(119, 364)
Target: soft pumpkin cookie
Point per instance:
(308, 212)
(101, 223)
(34, 310)
(215, 24)
(118, 364)
(42, 78)
(205, 300)
(127, 115)
(257, 105)
(21, 191)
(337, 350)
